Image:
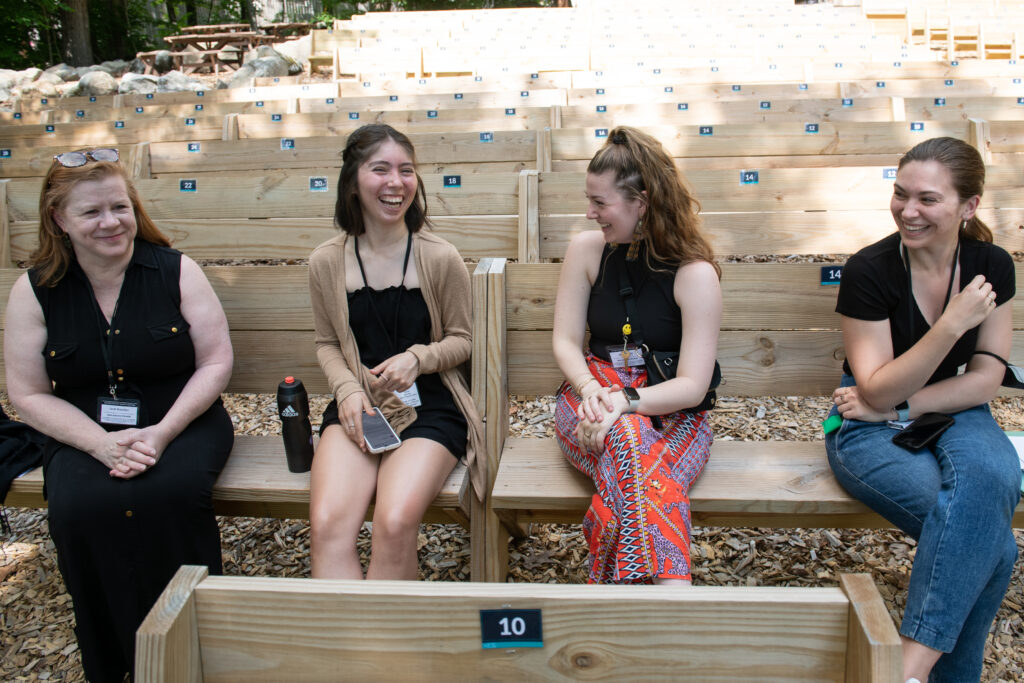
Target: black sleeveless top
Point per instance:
(152, 353)
(660, 318)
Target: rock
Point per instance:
(163, 62)
(49, 77)
(65, 72)
(42, 88)
(96, 83)
(137, 66)
(137, 83)
(175, 81)
(8, 79)
(5, 94)
(264, 62)
(115, 67)
(28, 76)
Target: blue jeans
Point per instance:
(957, 500)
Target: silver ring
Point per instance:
(351, 425)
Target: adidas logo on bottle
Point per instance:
(289, 412)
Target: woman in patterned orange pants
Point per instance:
(642, 445)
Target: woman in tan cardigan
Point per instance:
(392, 310)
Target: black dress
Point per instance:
(386, 322)
(120, 541)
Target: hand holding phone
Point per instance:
(378, 434)
(924, 431)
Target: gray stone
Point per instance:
(163, 62)
(96, 83)
(27, 76)
(5, 94)
(49, 77)
(65, 72)
(115, 67)
(273, 64)
(137, 83)
(8, 79)
(137, 66)
(175, 81)
(41, 88)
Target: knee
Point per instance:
(995, 476)
(327, 522)
(395, 525)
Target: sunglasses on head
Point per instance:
(76, 159)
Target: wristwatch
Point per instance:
(903, 412)
(633, 396)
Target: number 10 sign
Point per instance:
(501, 628)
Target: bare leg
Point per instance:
(918, 659)
(342, 483)
(410, 477)
(672, 582)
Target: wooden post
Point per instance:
(544, 150)
(5, 226)
(981, 138)
(167, 642)
(140, 166)
(873, 650)
(899, 108)
(230, 127)
(529, 220)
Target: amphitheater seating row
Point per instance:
(265, 629)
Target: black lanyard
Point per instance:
(910, 287)
(393, 342)
(106, 339)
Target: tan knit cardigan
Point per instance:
(444, 282)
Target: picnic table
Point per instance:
(219, 51)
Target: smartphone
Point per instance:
(924, 431)
(378, 434)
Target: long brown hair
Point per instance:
(363, 142)
(53, 255)
(671, 225)
(965, 165)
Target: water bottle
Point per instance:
(293, 409)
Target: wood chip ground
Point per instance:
(37, 642)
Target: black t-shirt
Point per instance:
(660, 321)
(874, 287)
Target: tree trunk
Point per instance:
(77, 44)
(120, 46)
(171, 16)
(191, 16)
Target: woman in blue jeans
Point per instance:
(916, 306)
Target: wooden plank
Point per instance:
(754, 362)
(774, 483)
(790, 232)
(325, 152)
(768, 139)
(873, 651)
(782, 189)
(256, 480)
(260, 629)
(963, 108)
(746, 111)
(167, 641)
(98, 133)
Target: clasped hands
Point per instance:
(130, 452)
(396, 373)
(599, 407)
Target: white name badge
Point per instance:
(410, 397)
(118, 411)
(629, 355)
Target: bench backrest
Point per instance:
(285, 215)
(270, 629)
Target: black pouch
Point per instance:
(1013, 378)
(661, 366)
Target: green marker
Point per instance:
(833, 423)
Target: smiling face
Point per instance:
(386, 185)
(616, 214)
(98, 219)
(925, 205)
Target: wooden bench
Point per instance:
(216, 628)
(271, 328)
(780, 337)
